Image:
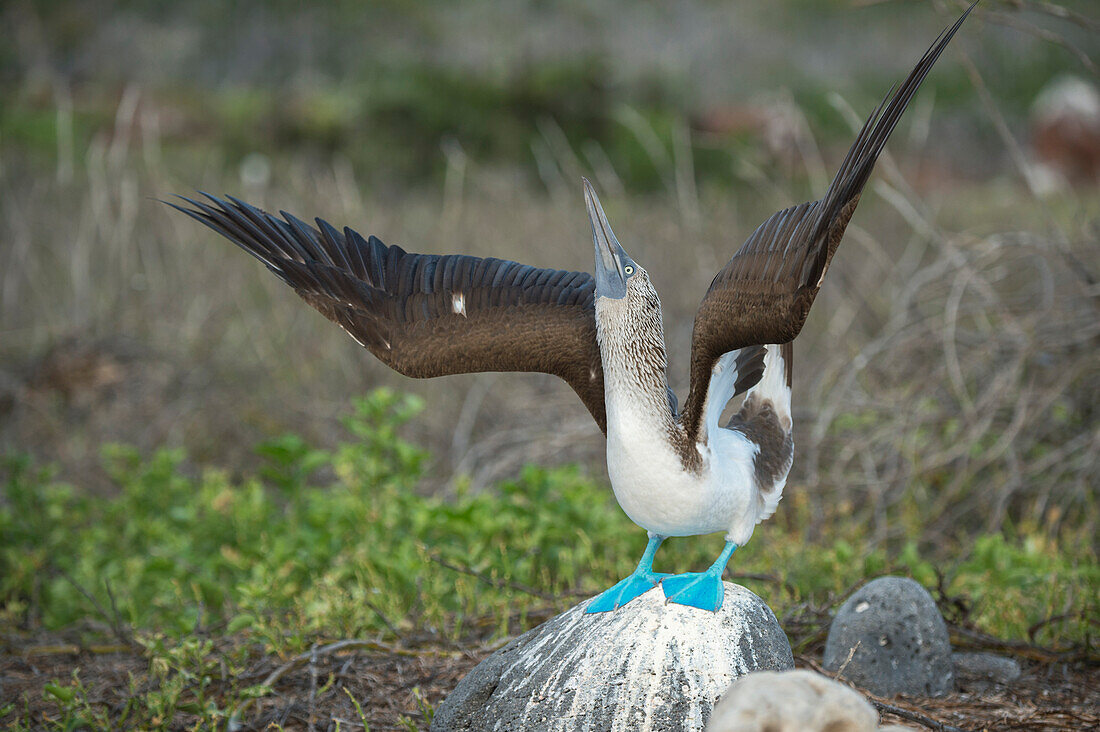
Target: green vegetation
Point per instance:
(339, 544)
(946, 379)
(390, 110)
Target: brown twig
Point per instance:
(71, 649)
(881, 704)
(1043, 34)
(117, 624)
(1036, 627)
(763, 578)
(971, 638)
(312, 701)
(1064, 13)
(499, 584)
(313, 654)
(113, 621)
(913, 716)
(382, 616)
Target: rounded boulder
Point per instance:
(890, 638)
(792, 701)
(647, 666)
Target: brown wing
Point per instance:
(428, 315)
(764, 293)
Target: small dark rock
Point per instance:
(980, 670)
(649, 665)
(890, 638)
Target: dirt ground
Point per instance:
(395, 687)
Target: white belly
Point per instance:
(658, 494)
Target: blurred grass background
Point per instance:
(946, 384)
(185, 453)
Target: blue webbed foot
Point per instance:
(642, 581)
(700, 589)
(695, 589)
(624, 591)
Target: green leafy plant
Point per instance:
(340, 544)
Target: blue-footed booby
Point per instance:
(674, 472)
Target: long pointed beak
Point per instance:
(610, 278)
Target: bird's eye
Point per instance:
(628, 269)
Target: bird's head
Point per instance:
(626, 301)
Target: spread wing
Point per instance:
(764, 293)
(427, 315)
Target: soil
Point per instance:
(395, 686)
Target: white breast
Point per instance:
(660, 495)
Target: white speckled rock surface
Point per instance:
(647, 666)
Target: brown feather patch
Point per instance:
(759, 422)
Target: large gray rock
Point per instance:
(647, 666)
(890, 638)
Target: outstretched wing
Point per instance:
(764, 293)
(427, 315)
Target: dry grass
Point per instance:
(946, 377)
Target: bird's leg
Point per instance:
(700, 589)
(643, 580)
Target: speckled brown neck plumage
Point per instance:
(632, 345)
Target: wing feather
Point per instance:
(427, 315)
(764, 293)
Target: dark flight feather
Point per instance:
(427, 315)
(764, 293)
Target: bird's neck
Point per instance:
(635, 378)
